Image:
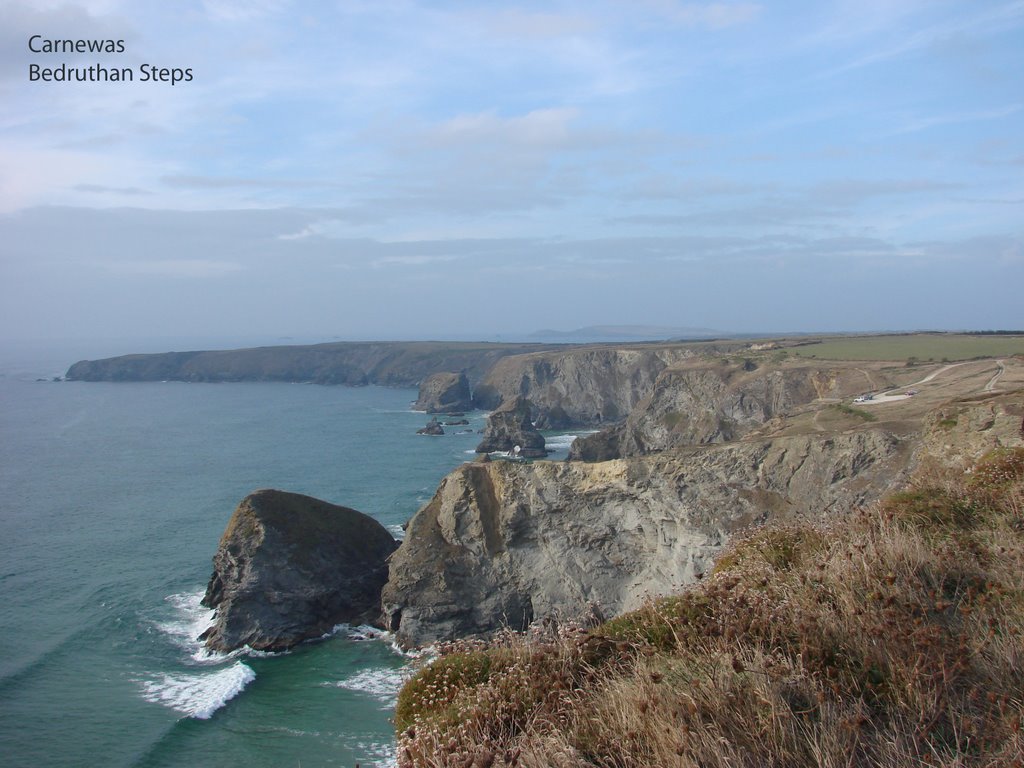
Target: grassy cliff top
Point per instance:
(892, 638)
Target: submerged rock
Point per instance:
(290, 567)
(444, 393)
(510, 426)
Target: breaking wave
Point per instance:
(198, 695)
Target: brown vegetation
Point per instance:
(892, 638)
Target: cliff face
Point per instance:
(510, 426)
(290, 567)
(699, 402)
(582, 386)
(504, 544)
(387, 363)
(444, 392)
(967, 428)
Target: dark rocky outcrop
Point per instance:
(290, 567)
(433, 427)
(444, 393)
(510, 426)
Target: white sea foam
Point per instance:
(378, 754)
(382, 684)
(557, 442)
(562, 442)
(396, 530)
(363, 632)
(198, 695)
(190, 620)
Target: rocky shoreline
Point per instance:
(505, 544)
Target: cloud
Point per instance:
(851, 192)
(414, 260)
(227, 182)
(535, 25)
(103, 190)
(541, 128)
(924, 123)
(989, 22)
(184, 268)
(20, 21)
(234, 11)
(708, 15)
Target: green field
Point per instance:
(923, 346)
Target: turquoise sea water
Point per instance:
(112, 500)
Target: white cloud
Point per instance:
(709, 15)
(31, 176)
(243, 10)
(185, 268)
(535, 25)
(538, 128)
(989, 22)
(414, 260)
(924, 123)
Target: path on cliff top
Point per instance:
(1000, 369)
(887, 397)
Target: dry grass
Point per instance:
(893, 638)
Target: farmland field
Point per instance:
(923, 346)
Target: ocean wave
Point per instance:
(189, 621)
(362, 632)
(198, 695)
(396, 530)
(382, 684)
(562, 442)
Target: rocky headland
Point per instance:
(392, 364)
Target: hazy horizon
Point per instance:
(405, 170)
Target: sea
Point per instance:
(113, 497)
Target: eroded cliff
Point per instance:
(504, 544)
(580, 386)
(714, 401)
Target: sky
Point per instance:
(401, 169)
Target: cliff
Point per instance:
(444, 392)
(290, 567)
(703, 401)
(580, 386)
(403, 364)
(504, 544)
(510, 427)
